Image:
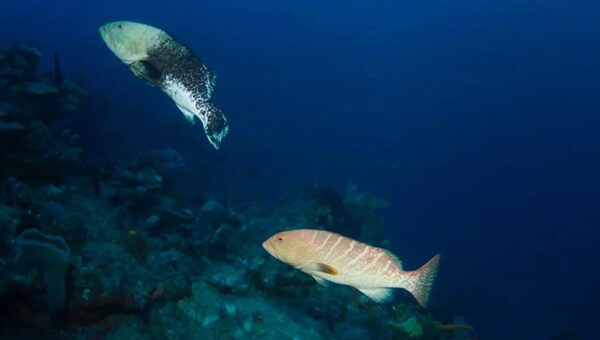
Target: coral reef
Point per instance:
(29, 104)
(141, 261)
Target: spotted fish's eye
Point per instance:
(119, 26)
(279, 239)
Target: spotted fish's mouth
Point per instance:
(103, 30)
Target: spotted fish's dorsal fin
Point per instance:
(211, 83)
(379, 295)
(321, 268)
(394, 258)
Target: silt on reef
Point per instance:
(146, 262)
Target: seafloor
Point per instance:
(111, 250)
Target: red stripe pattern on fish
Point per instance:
(328, 256)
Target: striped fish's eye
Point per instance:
(119, 26)
(279, 239)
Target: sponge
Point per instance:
(51, 255)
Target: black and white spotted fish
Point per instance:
(157, 58)
(374, 271)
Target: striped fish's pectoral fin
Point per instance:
(323, 268)
(379, 295)
(188, 115)
(320, 280)
(327, 269)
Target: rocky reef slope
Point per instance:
(113, 251)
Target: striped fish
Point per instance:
(374, 271)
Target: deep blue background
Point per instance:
(478, 120)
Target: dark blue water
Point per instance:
(478, 120)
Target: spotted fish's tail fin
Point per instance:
(419, 282)
(214, 122)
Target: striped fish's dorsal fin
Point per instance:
(394, 258)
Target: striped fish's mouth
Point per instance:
(268, 245)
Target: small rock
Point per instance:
(330, 311)
(351, 328)
(173, 240)
(40, 89)
(229, 280)
(52, 190)
(30, 54)
(212, 210)
(209, 320)
(247, 325)
(180, 214)
(150, 176)
(11, 127)
(155, 242)
(222, 236)
(410, 328)
(230, 310)
(238, 334)
(165, 158)
(152, 220)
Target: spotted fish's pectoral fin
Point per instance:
(214, 122)
(323, 268)
(379, 295)
(188, 115)
(145, 71)
(320, 280)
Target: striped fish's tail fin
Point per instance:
(419, 282)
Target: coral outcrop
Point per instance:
(29, 104)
